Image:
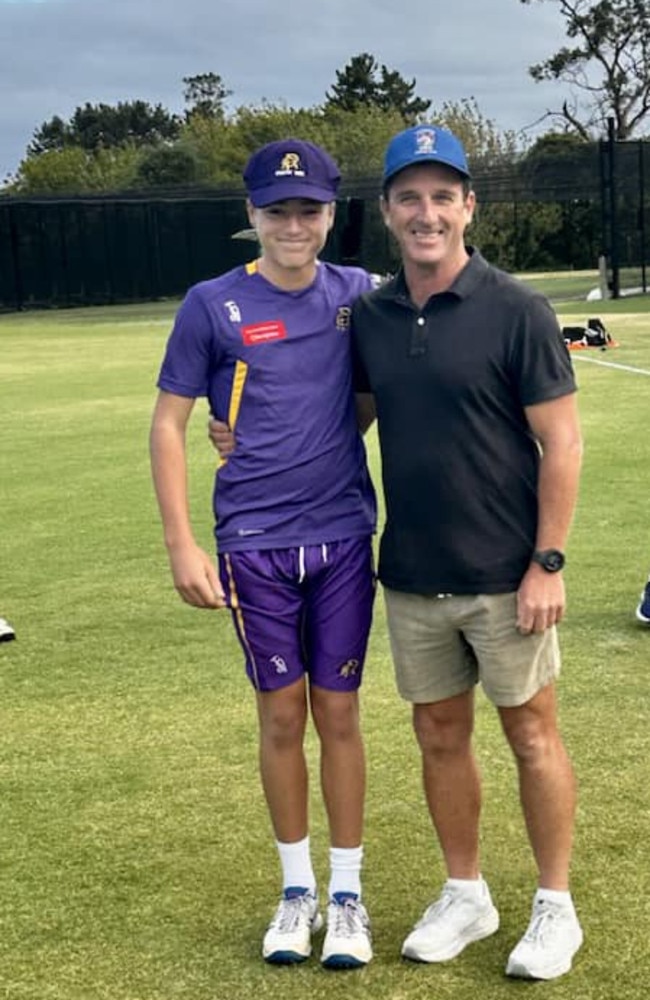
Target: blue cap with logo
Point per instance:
(424, 144)
(291, 168)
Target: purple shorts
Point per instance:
(302, 610)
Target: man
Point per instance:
(269, 346)
(481, 451)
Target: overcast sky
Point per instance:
(57, 54)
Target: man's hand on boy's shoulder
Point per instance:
(221, 436)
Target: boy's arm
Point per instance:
(193, 570)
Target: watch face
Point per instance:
(553, 560)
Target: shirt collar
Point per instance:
(462, 287)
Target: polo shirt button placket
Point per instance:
(418, 337)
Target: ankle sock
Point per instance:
(558, 896)
(297, 869)
(345, 871)
(468, 886)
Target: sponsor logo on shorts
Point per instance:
(279, 664)
(349, 668)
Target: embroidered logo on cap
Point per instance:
(425, 142)
(290, 166)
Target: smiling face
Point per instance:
(427, 208)
(291, 233)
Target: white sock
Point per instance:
(345, 870)
(559, 896)
(468, 886)
(296, 864)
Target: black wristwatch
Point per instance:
(552, 560)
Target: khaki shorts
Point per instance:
(443, 646)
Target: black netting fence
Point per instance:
(563, 211)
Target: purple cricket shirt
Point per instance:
(276, 366)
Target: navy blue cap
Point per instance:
(291, 168)
(424, 144)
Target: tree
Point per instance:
(358, 138)
(74, 171)
(54, 134)
(167, 166)
(106, 126)
(363, 82)
(486, 146)
(205, 93)
(613, 40)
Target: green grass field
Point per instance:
(562, 286)
(136, 858)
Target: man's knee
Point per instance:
(442, 728)
(531, 729)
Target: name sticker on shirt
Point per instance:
(261, 333)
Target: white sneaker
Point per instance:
(348, 941)
(6, 631)
(455, 920)
(549, 944)
(288, 938)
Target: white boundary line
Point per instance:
(611, 364)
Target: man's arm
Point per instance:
(223, 439)
(366, 412)
(556, 425)
(221, 436)
(194, 572)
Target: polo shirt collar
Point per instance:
(464, 285)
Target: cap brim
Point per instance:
(245, 234)
(273, 193)
(426, 159)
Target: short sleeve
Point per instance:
(542, 364)
(191, 350)
(360, 381)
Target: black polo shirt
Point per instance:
(459, 463)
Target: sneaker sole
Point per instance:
(286, 957)
(344, 962)
(517, 970)
(640, 617)
(289, 957)
(487, 925)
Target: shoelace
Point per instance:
(437, 909)
(544, 915)
(290, 912)
(348, 919)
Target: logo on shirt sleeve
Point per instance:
(262, 333)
